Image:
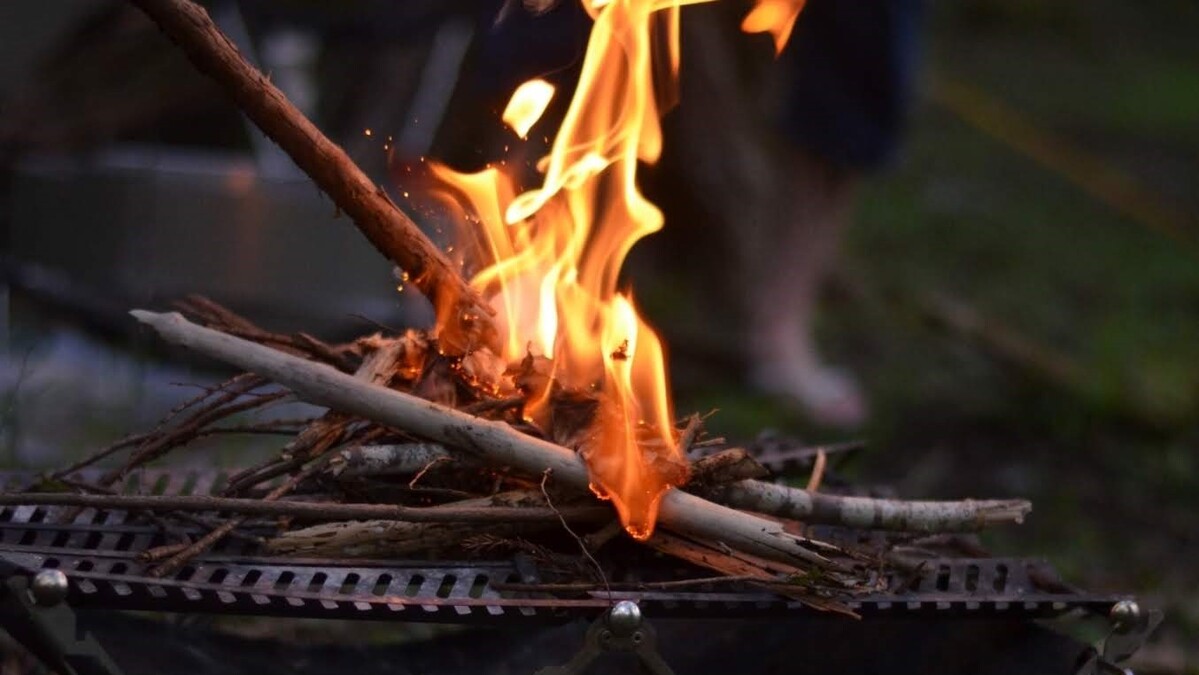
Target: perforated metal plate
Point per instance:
(98, 551)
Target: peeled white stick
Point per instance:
(968, 515)
(927, 517)
(493, 442)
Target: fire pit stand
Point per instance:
(92, 563)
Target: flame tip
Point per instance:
(554, 253)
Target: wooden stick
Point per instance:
(379, 539)
(726, 466)
(243, 383)
(396, 459)
(862, 512)
(310, 510)
(187, 430)
(737, 565)
(627, 586)
(731, 468)
(817, 476)
(181, 558)
(389, 539)
(494, 442)
(387, 227)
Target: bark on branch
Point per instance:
(866, 513)
(449, 513)
(722, 477)
(388, 228)
(493, 442)
(397, 459)
(389, 538)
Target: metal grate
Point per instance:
(98, 552)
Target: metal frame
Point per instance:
(98, 550)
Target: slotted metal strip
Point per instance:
(462, 592)
(98, 552)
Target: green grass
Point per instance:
(1111, 460)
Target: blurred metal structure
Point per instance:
(148, 222)
(149, 225)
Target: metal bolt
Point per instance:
(1126, 615)
(49, 587)
(624, 617)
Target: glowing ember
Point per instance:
(553, 254)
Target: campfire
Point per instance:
(535, 416)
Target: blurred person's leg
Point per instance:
(844, 82)
(816, 206)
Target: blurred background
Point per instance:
(1017, 295)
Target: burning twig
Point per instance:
(499, 444)
(387, 227)
(477, 456)
(493, 442)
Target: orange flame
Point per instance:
(527, 105)
(553, 254)
(776, 17)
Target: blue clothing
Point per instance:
(524, 46)
(852, 69)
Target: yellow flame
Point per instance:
(527, 105)
(554, 253)
(776, 17)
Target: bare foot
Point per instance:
(829, 396)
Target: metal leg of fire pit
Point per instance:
(1131, 626)
(34, 614)
(620, 629)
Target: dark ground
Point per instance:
(899, 647)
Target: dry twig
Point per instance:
(494, 442)
(387, 227)
(582, 545)
(817, 470)
(311, 510)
